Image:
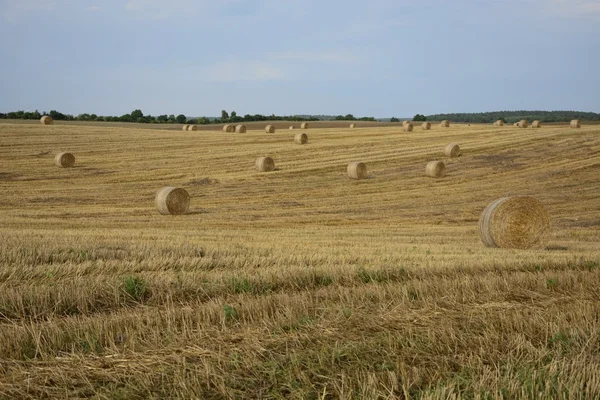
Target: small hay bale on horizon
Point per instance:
(185, 127)
(301, 138)
(499, 123)
(64, 160)
(452, 150)
(352, 126)
(536, 124)
(575, 123)
(291, 127)
(46, 120)
(408, 127)
(265, 164)
(228, 128)
(192, 127)
(304, 125)
(269, 129)
(518, 222)
(445, 123)
(240, 128)
(435, 169)
(172, 201)
(523, 123)
(357, 170)
(426, 125)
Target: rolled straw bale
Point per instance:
(523, 123)
(352, 125)
(228, 128)
(270, 129)
(184, 128)
(357, 170)
(445, 123)
(291, 127)
(301, 138)
(452, 150)
(240, 128)
(575, 123)
(405, 122)
(64, 160)
(46, 120)
(192, 127)
(536, 124)
(435, 169)
(304, 125)
(265, 164)
(407, 127)
(499, 123)
(172, 201)
(426, 125)
(519, 222)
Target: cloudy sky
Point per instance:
(378, 58)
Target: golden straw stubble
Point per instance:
(265, 164)
(64, 160)
(452, 150)
(518, 222)
(172, 201)
(357, 170)
(435, 169)
(301, 138)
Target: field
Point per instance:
(298, 283)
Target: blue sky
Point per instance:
(378, 58)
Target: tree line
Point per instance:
(515, 116)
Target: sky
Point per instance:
(379, 58)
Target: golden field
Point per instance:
(297, 283)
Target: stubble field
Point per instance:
(297, 283)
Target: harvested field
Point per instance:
(297, 283)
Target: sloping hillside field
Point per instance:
(300, 282)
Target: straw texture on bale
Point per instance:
(426, 125)
(291, 127)
(536, 124)
(228, 128)
(184, 128)
(192, 127)
(64, 160)
(452, 150)
(523, 123)
(445, 123)
(301, 138)
(270, 129)
(172, 201)
(240, 128)
(265, 164)
(519, 222)
(435, 169)
(46, 120)
(408, 127)
(575, 123)
(499, 123)
(304, 125)
(352, 125)
(357, 170)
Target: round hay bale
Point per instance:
(516, 124)
(270, 129)
(185, 127)
(240, 128)
(357, 170)
(301, 138)
(291, 127)
(352, 125)
(426, 126)
(499, 123)
(405, 122)
(192, 127)
(304, 125)
(407, 127)
(536, 124)
(435, 169)
(64, 160)
(445, 123)
(172, 201)
(519, 222)
(265, 164)
(452, 150)
(228, 128)
(575, 124)
(523, 123)
(46, 120)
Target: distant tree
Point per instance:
(135, 114)
(162, 118)
(224, 115)
(394, 119)
(233, 115)
(181, 119)
(171, 119)
(419, 117)
(93, 117)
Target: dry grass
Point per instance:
(299, 283)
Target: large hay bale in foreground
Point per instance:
(445, 123)
(270, 129)
(64, 160)
(192, 127)
(352, 125)
(519, 222)
(301, 138)
(357, 170)
(426, 126)
(452, 150)
(46, 120)
(499, 123)
(172, 201)
(408, 127)
(240, 128)
(435, 169)
(523, 123)
(304, 125)
(536, 124)
(265, 164)
(228, 128)
(185, 127)
(575, 124)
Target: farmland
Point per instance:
(297, 283)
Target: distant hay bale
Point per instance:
(357, 170)
(516, 124)
(445, 123)
(407, 127)
(435, 169)
(270, 129)
(240, 128)
(192, 127)
(304, 125)
(291, 127)
(228, 128)
(172, 201)
(536, 124)
(301, 138)
(452, 150)
(523, 123)
(64, 160)
(519, 222)
(184, 128)
(265, 164)
(575, 123)
(499, 123)
(46, 120)
(426, 126)
(352, 125)
(405, 122)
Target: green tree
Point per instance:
(135, 114)
(394, 119)
(181, 119)
(224, 115)
(419, 117)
